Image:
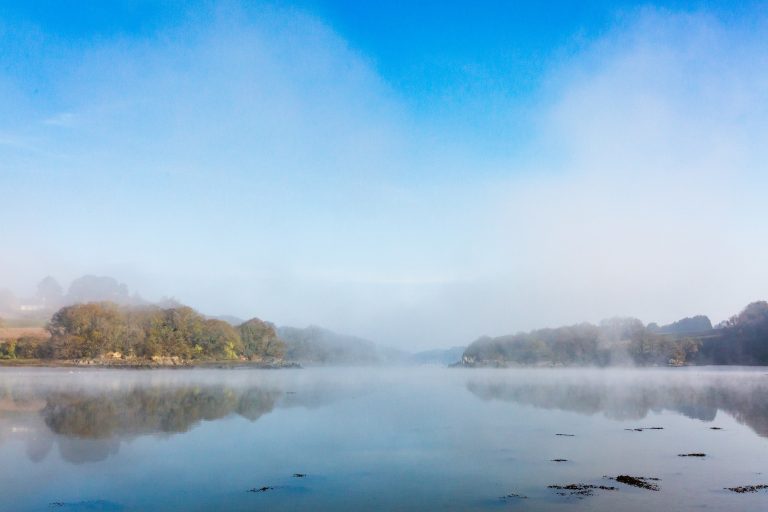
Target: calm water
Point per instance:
(377, 439)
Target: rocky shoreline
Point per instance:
(154, 363)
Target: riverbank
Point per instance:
(145, 364)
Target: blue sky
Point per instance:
(419, 173)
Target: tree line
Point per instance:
(105, 329)
(614, 341)
(743, 339)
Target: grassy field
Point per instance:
(37, 319)
(14, 333)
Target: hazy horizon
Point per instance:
(133, 298)
(415, 176)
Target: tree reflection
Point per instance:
(88, 415)
(89, 426)
(619, 398)
(150, 410)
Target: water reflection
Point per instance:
(151, 410)
(89, 427)
(87, 417)
(88, 423)
(384, 439)
(632, 396)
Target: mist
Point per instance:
(253, 162)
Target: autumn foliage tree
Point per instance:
(96, 329)
(260, 339)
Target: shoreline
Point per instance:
(145, 364)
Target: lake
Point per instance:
(382, 439)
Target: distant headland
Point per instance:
(740, 340)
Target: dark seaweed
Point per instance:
(644, 482)
(580, 489)
(261, 489)
(747, 488)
